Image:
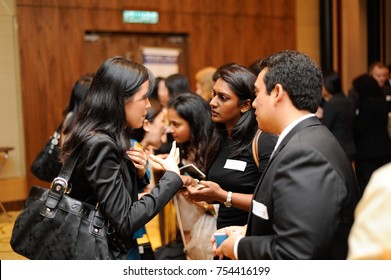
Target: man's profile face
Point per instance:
(263, 104)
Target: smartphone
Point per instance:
(193, 171)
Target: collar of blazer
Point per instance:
(305, 123)
(311, 121)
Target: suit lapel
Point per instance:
(305, 123)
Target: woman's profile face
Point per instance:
(163, 94)
(156, 130)
(225, 104)
(179, 127)
(136, 107)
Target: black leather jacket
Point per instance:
(97, 179)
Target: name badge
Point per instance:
(260, 210)
(235, 164)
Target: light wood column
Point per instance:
(353, 41)
(12, 169)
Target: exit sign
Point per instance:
(147, 17)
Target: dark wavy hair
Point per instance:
(241, 81)
(196, 111)
(155, 90)
(299, 76)
(103, 110)
(177, 84)
(79, 92)
(332, 81)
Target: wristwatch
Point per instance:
(228, 201)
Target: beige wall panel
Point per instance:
(11, 126)
(12, 170)
(7, 7)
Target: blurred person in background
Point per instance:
(204, 82)
(160, 91)
(373, 144)
(380, 73)
(338, 112)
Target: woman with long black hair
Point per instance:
(107, 172)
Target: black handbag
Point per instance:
(55, 226)
(46, 166)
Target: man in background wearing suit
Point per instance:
(303, 206)
(338, 112)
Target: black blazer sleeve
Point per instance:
(114, 195)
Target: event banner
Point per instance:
(162, 62)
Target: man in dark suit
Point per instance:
(338, 112)
(380, 73)
(304, 203)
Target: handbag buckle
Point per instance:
(60, 186)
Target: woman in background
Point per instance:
(160, 91)
(373, 144)
(190, 124)
(204, 82)
(175, 84)
(150, 135)
(79, 91)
